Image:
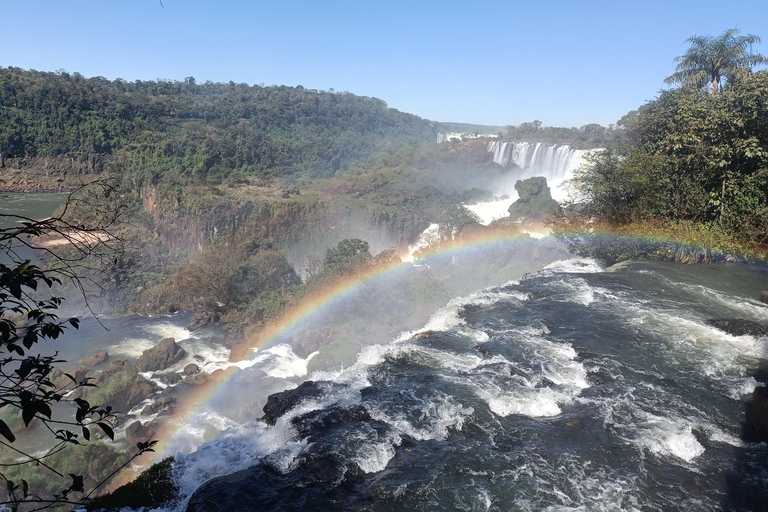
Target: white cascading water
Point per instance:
(556, 163)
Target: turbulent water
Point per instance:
(577, 388)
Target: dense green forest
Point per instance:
(200, 131)
(694, 173)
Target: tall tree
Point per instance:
(709, 60)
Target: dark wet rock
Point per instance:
(199, 359)
(91, 361)
(164, 403)
(191, 369)
(321, 476)
(169, 378)
(764, 296)
(280, 403)
(138, 432)
(757, 418)
(315, 422)
(739, 327)
(208, 315)
(160, 357)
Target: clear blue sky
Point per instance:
(566, 63)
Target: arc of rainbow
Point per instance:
(313, 305)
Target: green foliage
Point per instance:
(200, 132)
(31, 385)
(453, 220)
(348, 256)
(710, 60)
(154, 488)
(695, 157)
(586, 137)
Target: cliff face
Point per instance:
(49, 174)
(301, 224)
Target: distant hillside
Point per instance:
(207, 131)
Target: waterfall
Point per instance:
(557, 163)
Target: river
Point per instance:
(576, 387)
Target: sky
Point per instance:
(565, 63)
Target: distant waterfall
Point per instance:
(556, 163)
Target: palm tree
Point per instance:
(709, 60)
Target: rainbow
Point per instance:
(313, 305)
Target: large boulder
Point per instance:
(208, 315)
(91, 361)
(160, 357)
(535, 203)
(119, 386)
(280, 403)
(138, 432)
(739, 327)
(764, 296)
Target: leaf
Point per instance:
(86, 434)
(74, 322)
(27, 412)
(25, 488)
(107, 430)
(6, 431)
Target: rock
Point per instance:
(757, 419)
(191, 369)
(280, 403)
(136, 431)
(131, 390)
(764, 296)
(239, 351)
(164, 403)
(169, 378)
(257, 317)
(91, 361)
(739, 327)
(161, 356)
(208, 315)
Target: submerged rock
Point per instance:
(161, 356)
(739, 327)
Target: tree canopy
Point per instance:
(710, 60)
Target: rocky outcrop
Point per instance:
(208, 315)
(138, 432)
(162, 404)
(764, 297)
(126, 388)
(280, 403)
(739, 327)
(191, 369)
(535, 203)
(161, 356)
(91, 361)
